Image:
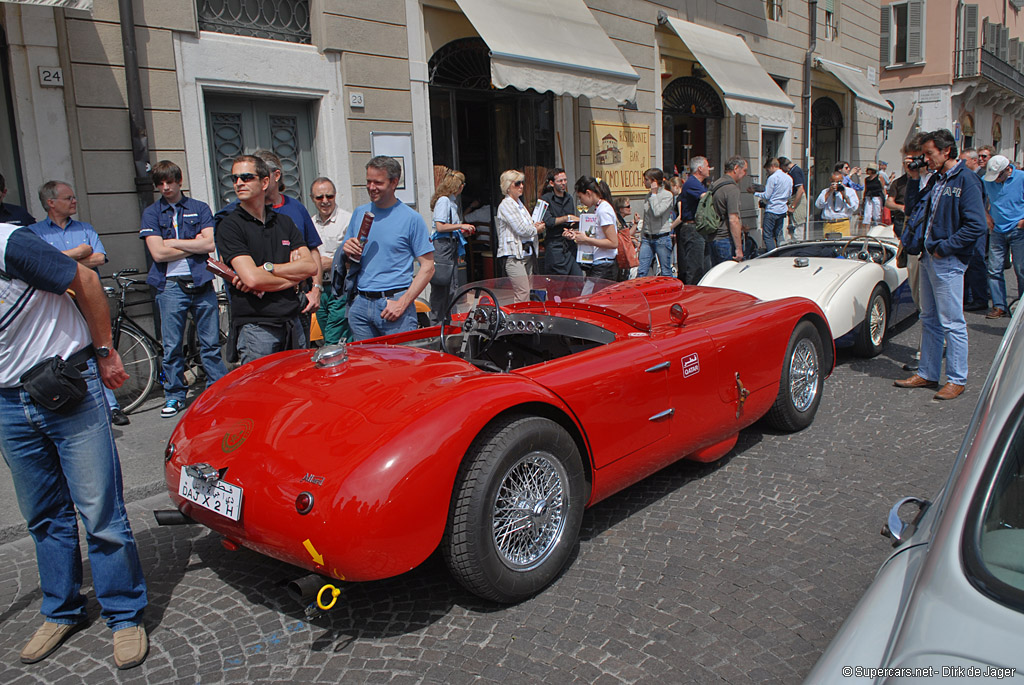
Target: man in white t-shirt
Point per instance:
(331, 222)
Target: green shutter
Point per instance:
(915, 31)
(885, 42)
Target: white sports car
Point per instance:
(855, 281)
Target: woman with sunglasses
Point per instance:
(449, 239)
(517, 235)
(596, 197)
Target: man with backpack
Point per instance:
(721, 206)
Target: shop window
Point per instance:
(774, 10)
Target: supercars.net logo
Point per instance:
(234, 438)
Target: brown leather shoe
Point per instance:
(130, 647)
(916, 381)
(47, 638)
(996, 313)
(950, 391)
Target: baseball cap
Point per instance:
(995, 167)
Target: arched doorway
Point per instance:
(826, 132)
(482, 132)
(691, 123)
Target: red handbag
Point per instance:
(626, 256)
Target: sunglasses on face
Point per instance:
(517, 184)
(244, 178)
(318, 198)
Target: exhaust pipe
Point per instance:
(171, 517)
(304, 589)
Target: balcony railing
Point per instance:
(978, 62)
(286, 20)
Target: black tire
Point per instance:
(526, 559)
(802, 381)
(140, 361)
(871, 338)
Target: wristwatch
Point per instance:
(103, 352)
(317, 285)
(269, 266)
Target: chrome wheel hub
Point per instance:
(803, 375)
(528, 515)
(877, 321)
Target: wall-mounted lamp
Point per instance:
(628, 104)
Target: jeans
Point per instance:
(722, 250)
(364, 318)
(689, 254)
(60, 462)
(256, 340)
(942, 319)
(175, 304)
(771, 229)
(998, 245)
(662, 246)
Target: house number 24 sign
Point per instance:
(51, 77)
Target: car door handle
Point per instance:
(662, 415)
(658, 367)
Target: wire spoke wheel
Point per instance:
(140, 362)
(803, 375)
(528, 514)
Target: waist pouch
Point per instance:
(55, 384)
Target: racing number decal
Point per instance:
(233, 439)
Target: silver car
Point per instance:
(949, 602)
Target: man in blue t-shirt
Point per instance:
(1004, 187)
(385, 287)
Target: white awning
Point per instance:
(869, 100)
(85, 5)
(745, 85)
(548, 45)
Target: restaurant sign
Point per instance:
(620, 155)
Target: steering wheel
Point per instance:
(484, 320)
(865, 254)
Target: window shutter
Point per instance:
(1013, 51)
(1004, 39)
(970, 42)
(988, 45)
(915, 31)
(885, 44)
(830, 6)
(1020, 56)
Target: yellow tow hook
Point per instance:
(335, 593)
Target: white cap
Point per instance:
(995, 167)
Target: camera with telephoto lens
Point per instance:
(917, 162)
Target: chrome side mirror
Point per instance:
(895, 527)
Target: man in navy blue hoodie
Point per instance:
(955, 220)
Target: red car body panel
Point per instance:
(378, 441)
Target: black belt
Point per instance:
(81, 358)
(187, 280)
(377, 294)
(660, 235)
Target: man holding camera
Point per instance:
(954, 221)
(837, 203)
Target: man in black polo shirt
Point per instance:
(270, 257)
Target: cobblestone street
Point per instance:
(735, 572)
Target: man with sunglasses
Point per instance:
(331, 222)
(270, 257)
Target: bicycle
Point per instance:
(142, 353)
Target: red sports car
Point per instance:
(489, 437)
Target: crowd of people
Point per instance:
(58, 364)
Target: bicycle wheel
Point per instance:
(140, 361)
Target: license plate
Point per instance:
(220, 497)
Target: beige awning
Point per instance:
(869, 100)
(746, 86)
(548, 45)
(85, 5)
